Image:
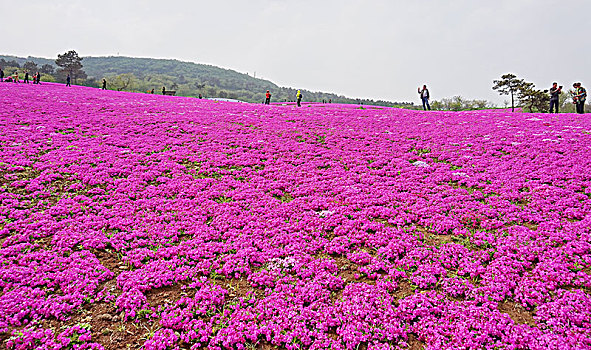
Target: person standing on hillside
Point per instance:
(163, 90)
(16, 80)
(68, 80)
(268, 98)
(38, 78)
(299, 98)
(579, 97)
(424, 93)
(555, 92)
(104, 84)
(35, 78)
(1, 75)
(26, 81)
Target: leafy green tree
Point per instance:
(71, 64)
(534, 99)
(13, 63)
(483, 104)
(458, 103)
(122, 82)
(47, 69)
(30, 66)
(509, 85)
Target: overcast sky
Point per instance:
(373, 49)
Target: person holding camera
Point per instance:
(555, 92)
(579, 97)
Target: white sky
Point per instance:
(372, 49)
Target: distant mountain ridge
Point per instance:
(189, 79)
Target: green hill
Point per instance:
(187, 78)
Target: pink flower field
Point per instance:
(157, 222)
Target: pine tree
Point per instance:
(509, 84)
(71, 64)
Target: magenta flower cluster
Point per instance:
(322, 227)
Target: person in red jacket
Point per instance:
(267, 98)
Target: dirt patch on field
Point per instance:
(403, 290)
(108, 326)
(239, 288)
(437, 240)
(518, 313)
(383, 221)
(166, 295)
(109, 260)
(414, 343)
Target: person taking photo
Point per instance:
(579, 97)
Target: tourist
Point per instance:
(163, 90)
(26, 81)
(299, 98)
(200, 96)
(104, 84)
(424, 93)
(268, 98)
(38, 78)
(555, 92)
(68, 80)
(35, 78)
(1, 75)
(579, 97)
(16, 77)
(152, 91)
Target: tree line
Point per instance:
(29, 66)
(186, 78)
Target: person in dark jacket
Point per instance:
(1, 75)
(555, 92)
(38, 78)
(26, 81)
(579, 97)
(163, 90)
(424, 93)
(104, 84)
(68, 80)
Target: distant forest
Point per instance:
(186, 78)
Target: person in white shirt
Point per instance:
(424, 93)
